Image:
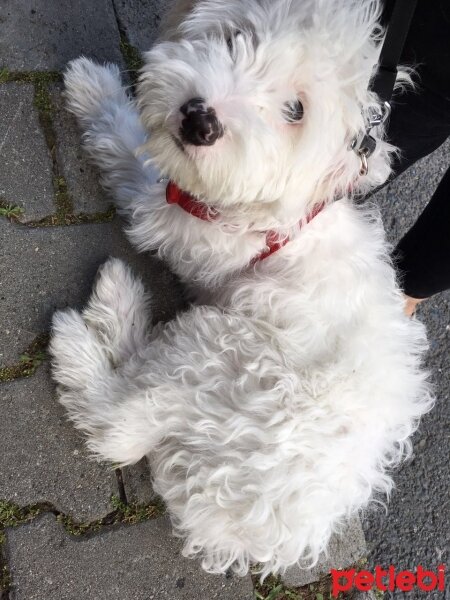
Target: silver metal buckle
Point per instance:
(364, 144)
(364, 168)
(377, 117)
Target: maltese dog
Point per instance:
(276, 406)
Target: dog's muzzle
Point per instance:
(200, 125)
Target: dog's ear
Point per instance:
(176, 13)
(351, 23)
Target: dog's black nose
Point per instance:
(200, 125)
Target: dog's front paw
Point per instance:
(88, 85)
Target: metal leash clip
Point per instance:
(364, 144)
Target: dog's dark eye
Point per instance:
(231, 39)
(293, 111)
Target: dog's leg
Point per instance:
(113, 133)
(88, 351)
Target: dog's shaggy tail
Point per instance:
(112, 328)
(89, 351)
(118, 311)
(112, 131)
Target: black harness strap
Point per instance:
(383, 81)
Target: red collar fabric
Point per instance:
(196, 208)
(189, 203)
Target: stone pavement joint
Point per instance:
(45, 108)
(81, 177)
(29, 360)
(7, 76)
(54, 220)
(10, 211)
(132, 56)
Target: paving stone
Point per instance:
(137, 482)
(140, 19)
(49, 268)
(343, 550)
(26, 173)
(43, 458)
(82, 178)
(43, 35)
(138, 562)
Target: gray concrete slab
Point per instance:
(26, 165)
(42, 457)
(137, 482)
(416, 528)
(49, 268)
(140, 19)
(43, 35)
(138, 562)
(82, 178)
(343, 550)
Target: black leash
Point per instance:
(383, 81)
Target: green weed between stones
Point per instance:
(128, 514)
(9, 211)
(29, 361)
(14, 213)
(132, 58)
(5, 579)
(44, 107)
(273, 589)
(72, 219)
(7, 76)
(12, 515)
(132, 513)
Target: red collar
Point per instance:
(189, 203)
(196, 208)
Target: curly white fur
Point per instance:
(276, 409)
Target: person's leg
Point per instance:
(423, 254)
(419, 124)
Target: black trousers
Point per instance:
(420, 123)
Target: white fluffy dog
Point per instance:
(276, 406)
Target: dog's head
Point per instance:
(258, 100)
